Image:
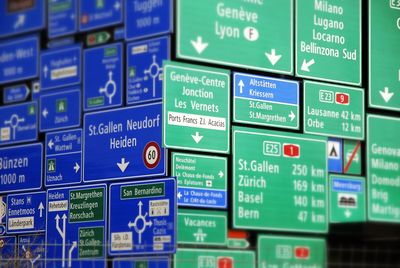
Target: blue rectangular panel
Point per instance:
(335, 155)
(144, 72)
(119, 33)
(196, 197)
(63, 157)
(60, 110)
(18, 123)
(61, 42)
(99, 14)
(149, 225)
(17, 17)
(15, 93)
(8, 251)
(103, 77)
(144, 19)
(76, 227)
(123, 143)
(148, 262)
(31, 251)
(62, 18)
(21, 168)
(19, 59)
(26, 213)
(347, 185)
(60, 67)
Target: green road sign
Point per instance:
(333, 110)
(201, 227)
(384, 64)
(196, 108)
(328, 40)
(247, 34)
(208, 258)
(352, 157)
(279, 181)
(286, 251)
(383, 168)
(347, 199)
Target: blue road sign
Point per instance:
(63, 157)
(99, 14)
(76, 226)
(19, 58)
(21, 168)
(347, 185)
(144, 73)
(18, 123)
(8, 251)
(335, 155)
(197, 197)
(147, 18)
(60, 110)
(102, 85)
(18, 17)
(26, 213)
(148, 262)
(119, 33)
(3, 210)
(123, 143)
(31, 251)
(61, 42)
(62, 18)
(15, 93)
(60, 67)
(142, 217)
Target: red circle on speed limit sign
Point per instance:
(151, 155)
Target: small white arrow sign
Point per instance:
(241, 85)
(179, 195)
(50, 144)
(220, 174)
(199, 45)
(386, 94)
(272, 57)
(45, 70)
(45, 113)
(76, 167)
(41, 207)
(347, 213)
(306, 65)
(292, 116)
(197, 138)
(123, 165)
(117, 5)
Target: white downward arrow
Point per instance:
(386, 95)
(197, 138)
(272, 57)
(123, 165)
(347, 213)
(45, 113)
(306, 65)
(292, 116)
(199, 45)
(76, 167)
(220, 174)
(241, 85)
(50, 144)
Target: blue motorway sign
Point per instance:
(18, 123)
(147, 18)
(123, 143)
(26, 213)
(60, 67)
(335, 155)
(18, 17)
(62, 18)
(140, 262)
(60, 110)
(15, 93)
(102, 85)
(3, 210)
(63, 157)
(99, 13)
(119, 33)
(8, 251)
(31, 251)
(144, 73)
(76, 226)
(19, 58)
(149, 226)
(21, 168)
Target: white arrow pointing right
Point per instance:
(386, 94)
(220, 174)
(292, 116)
(199, 45)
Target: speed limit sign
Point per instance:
(151, 155)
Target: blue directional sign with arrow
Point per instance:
(142, 217)
(60, 67)
(148, 262)
(102, 86)
(31, 251)
(21, 168)
(144, 72)
(62, 17)
(99, 13)
(63, 157)
(60, 110)
(19, 58)
(18, 123)
(123, 143)
(15, 93)
(26, 213)
(76, 226)
(8, 251)
(17, 17)
(144, 19)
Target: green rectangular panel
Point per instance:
(352, 157)
(383, 168)
(208, 258)
(384, 63)
(196, 107)
(202, 227)
(347, 199)
(279, 181)
(328, 40)
(247, 34)
(286, 251)
(91, 242)
(86, 205)
(333, 110)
